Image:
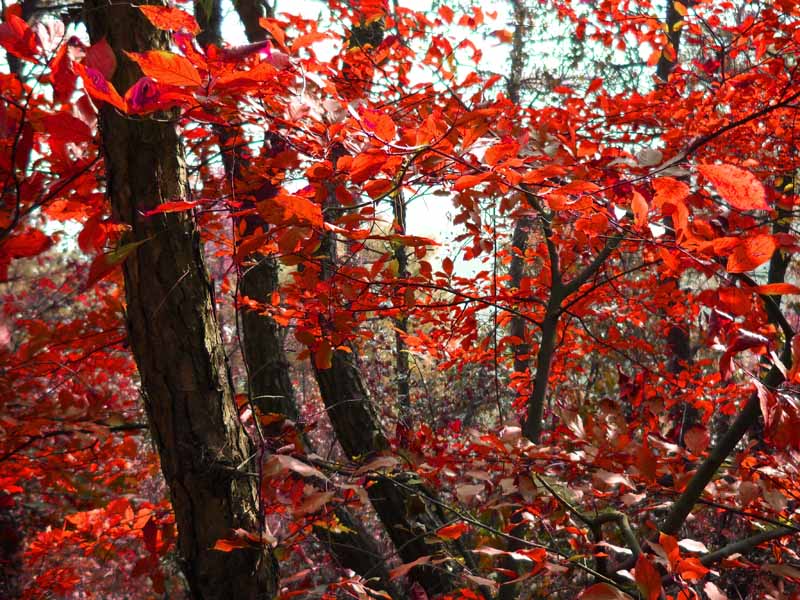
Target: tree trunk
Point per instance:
(175, 338)
(269, 384)
(401, 500)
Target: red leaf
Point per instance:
(169, 19)
(176, 206)
(381, 124)
(25, 245)
(62, 75)
(167, 68)
(100, 56)
(499, 152)
(146, 96)
(740, 188)
(691, 569)
(66, 128)
(669, 191)
(447, 265)
(452, 532)
(18, 38)
(103, 264)
(366, 165)
(751, 253)
(647, 578)
(98, 87)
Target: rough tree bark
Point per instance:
(174, 335)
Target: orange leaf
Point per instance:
(240, 538)
(366, 165)
(452, 532)
(640, 209)
(669, 191)
(751, 253)
(381, 124)
(469, 181)
(378, 187)
(167, 68)
(285, 209)
(738, 187)
(170, 19)
(691, 569)
(500, 151)
(277, 31)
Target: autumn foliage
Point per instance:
(580, 381)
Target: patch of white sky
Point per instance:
(431, 214)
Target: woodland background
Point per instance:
(399, 300)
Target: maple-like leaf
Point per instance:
(738, 187)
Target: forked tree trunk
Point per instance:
(402, 501)
(174, 335)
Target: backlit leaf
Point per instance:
(170, 19)
(752, 252)
(167, 68)
(739, 188)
